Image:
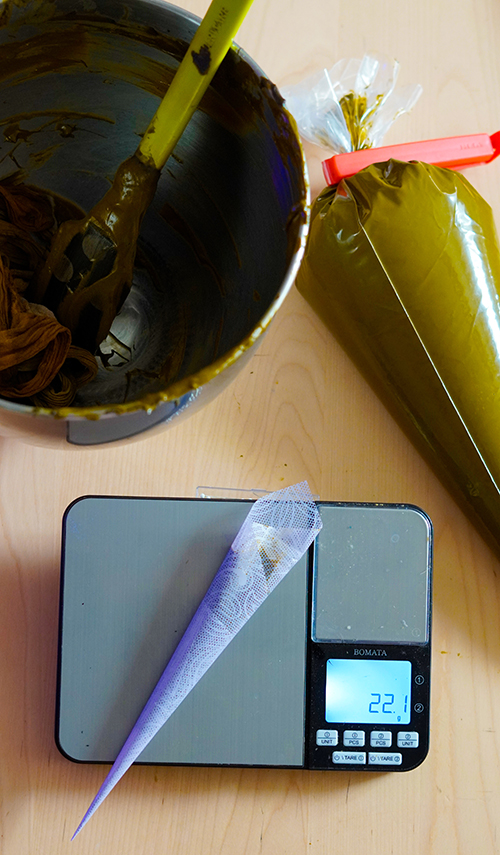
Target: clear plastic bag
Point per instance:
(351, 106)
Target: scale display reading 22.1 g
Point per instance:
(368, 691)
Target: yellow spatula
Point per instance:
(89, 269)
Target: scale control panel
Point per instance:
(369, 645)
(361, 747)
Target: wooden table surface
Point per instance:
(299, 410)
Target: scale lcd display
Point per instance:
(368, 691)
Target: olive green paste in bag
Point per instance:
(403, 265)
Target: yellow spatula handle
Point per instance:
(210, 44)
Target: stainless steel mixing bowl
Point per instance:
(219, 247)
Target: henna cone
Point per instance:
(403, 265)
(277, 532)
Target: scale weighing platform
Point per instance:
(332, 672)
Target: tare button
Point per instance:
(351, 757)
(384, 758)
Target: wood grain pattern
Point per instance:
(299, 410)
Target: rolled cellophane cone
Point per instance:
(278, 530)
(403, 265)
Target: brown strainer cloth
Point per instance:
(37, 360)
(27, 208)
(79, 368)
(33, 346)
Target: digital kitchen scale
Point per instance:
(332, 671)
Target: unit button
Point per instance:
(352, 757)
(407, 739)
(381, 738)
(384, 758)
(327, 737)
(354, 738)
